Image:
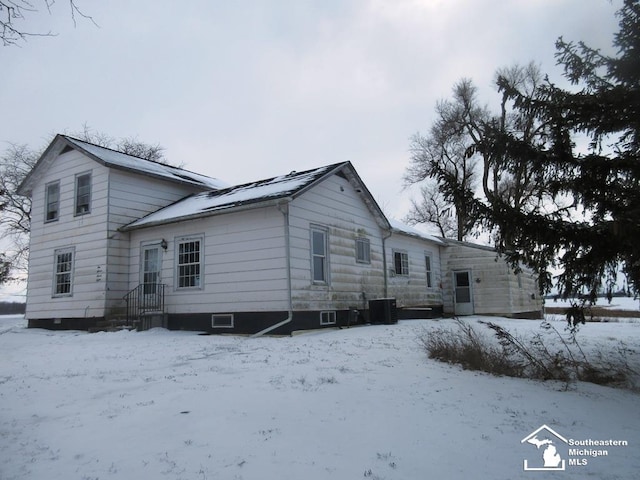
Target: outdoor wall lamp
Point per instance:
(164, 244)
(478, 280)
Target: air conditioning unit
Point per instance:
(383, 310)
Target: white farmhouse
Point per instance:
(116, 238)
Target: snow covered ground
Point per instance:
(363, 402)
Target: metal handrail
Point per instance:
(146, 297)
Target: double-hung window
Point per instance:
(83, 194)
(189, 266)
(319, 255)
(63, 272)
(52, 200)
(428, 263)
(363, 250)
(401, 263)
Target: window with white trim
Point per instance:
(401, 263)
(328, 318)
(52, 200)
(222, 320)
(319, 255)
(429, 271)
(63, 272)
(189, 262)
(83, 194)
(363, 250)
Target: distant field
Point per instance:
(627, 307)
(598, 313)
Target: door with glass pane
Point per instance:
(463, 294)
(151, 276)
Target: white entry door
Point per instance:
(150, 275)
(463, 294)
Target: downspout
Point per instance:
(384, 261)
(283, 207)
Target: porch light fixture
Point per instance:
(164, 244)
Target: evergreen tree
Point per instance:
(587, 219)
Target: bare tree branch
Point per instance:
(14, 13)
(15, 210)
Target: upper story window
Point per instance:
(428, 263)
(52, 200)
(363, 250)
(63, 272)
(319, 255)
(189, 266)
(83, 194)
(401, 263)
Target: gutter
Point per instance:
(283, 207)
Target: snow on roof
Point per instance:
(129, 162)
(414, 232)
(250, 193)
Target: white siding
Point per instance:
(87, 233)
(335, 205)
(411, 290)
(117, 198)
(496, 290)
(244, 266)
(132, 196)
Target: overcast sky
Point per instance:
(244, 90)
(249, 89)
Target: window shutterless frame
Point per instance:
(400, 262)
(363, 250)
(328, 318)
(319, 255)
(222, 320)
(428, 260)
(63, 267)
(189, 262)
(82, 203)
(52, 201)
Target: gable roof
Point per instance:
(114, 159)
(256, 194)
